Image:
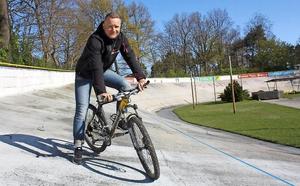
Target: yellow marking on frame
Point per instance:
(124, 103)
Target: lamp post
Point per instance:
(192, 91)
(214, 89)
(232, 87)
(195, 88)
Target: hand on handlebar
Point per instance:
(105, 97)
(141, 84)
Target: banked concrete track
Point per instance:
(36, 146)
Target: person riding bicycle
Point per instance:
(93, 70)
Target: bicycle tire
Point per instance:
(144, 147)
(93, 130)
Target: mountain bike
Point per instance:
(99, 132)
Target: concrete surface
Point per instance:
(295, 102)
(36, 147)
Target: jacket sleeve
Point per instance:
(95, 47)
(130, 59)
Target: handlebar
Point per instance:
(120, 95)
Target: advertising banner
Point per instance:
(253, 75)
(282, 73)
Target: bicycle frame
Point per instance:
(121, 113)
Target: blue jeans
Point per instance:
(82, 96)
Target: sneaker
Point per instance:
(77, 155)
(123, 125)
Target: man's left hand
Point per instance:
(141, 84)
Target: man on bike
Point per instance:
(93, 70)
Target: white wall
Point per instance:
(188, 80)
(17, 80)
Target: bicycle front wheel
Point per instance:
(95, 131)
(144, 147)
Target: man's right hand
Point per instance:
(106, 97)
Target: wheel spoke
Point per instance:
(95, 131)
(144, 148)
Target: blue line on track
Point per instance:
(231, 156)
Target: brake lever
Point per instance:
(147, 83)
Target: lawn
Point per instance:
(270, 122)
(292, 95)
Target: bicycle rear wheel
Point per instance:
(144, 147)
(95, 131)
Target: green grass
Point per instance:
(291, 95)
(269, 122)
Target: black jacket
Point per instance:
(99, 54)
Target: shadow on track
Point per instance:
(51, 147)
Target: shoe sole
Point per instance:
(77, 162)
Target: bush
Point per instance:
(3, 55)
(239, 93)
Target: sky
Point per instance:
(284, 15)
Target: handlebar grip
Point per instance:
(100, 99)
(114, 98)
(147, 83)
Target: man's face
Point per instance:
(112, 27)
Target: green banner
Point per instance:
(207, 78)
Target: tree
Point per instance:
(36, 23)
(257, 30)
(238, 54)
(251, 43)
(262, 21)
(168, 68)
(196, 41)
(267, 54)
(76, 22)
(55, 30)
(140, 30)
(179, 36)
(4, 25)
(212, 35)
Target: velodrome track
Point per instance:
(36, 145)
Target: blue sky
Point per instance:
(283, 14)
